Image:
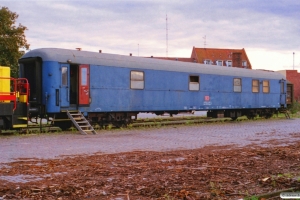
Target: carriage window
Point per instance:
(237, 85)
(84, 76)
(194, 83)
(64, 76)
(282, 87)
(255, 86)
(137, 80)
(266, 87)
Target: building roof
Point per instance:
(214, 54)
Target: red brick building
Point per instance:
(294, 77)
(213, 56)
(222, 57)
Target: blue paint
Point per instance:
(164, 90)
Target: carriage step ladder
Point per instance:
(80, 122)
(286, 113)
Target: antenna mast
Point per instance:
(167, 35)
(293, 60)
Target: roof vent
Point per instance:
(100, 51)
(130, 54)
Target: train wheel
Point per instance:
(63, 125)
(251, 115)
(120, 124)
(268, 115)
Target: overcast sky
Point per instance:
(268, 30)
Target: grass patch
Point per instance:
(251, 198)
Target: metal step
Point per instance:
(80, 120)
(20, 126)
(23, 118)
(76, 118)
(57, 120)
(286, 113)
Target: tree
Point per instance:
(12, 39)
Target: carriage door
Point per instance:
(65, 85)
(84, 85)
(282, 92)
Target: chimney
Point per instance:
(130, 54)
(78, 49)
(100, 51)
(237, 59)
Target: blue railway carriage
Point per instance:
(110, 88)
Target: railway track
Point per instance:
(188, 121)
(145, 122)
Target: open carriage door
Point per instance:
(84, 85)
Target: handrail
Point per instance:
(23, 87)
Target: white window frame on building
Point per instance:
(229, 63)
(244, 63)
(219, 62)
(207, 62)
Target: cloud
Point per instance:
(139, 27)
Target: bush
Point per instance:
(295, 107)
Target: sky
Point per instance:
(269, 31)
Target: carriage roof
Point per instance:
(115, 60)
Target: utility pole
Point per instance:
(167, 35)
(293, 60)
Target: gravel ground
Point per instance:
(168, 138)
(229, 160)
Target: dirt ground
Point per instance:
(212, 172)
